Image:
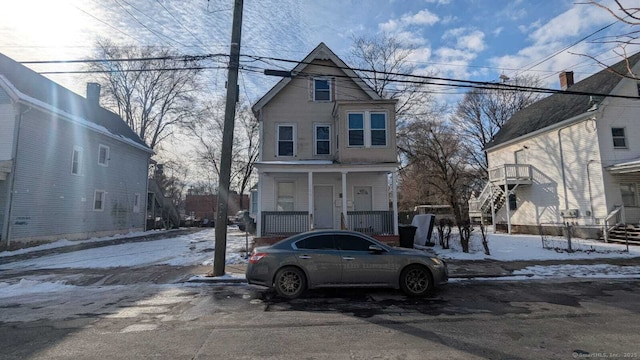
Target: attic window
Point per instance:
(321, 90)
(619, 138)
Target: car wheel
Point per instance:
(290, 282)
(415, 280)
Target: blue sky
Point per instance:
(462, 39)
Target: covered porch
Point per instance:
(299, 196)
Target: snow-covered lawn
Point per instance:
(198, 249)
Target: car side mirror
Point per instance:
(376, 249)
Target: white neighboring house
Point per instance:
(569, 158)
(327, 152)
(68, 168)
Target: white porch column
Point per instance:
(310, 184)
(344, 200)
(507, 194)
(394, 198)
(259, 210)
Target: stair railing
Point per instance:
(617, 215)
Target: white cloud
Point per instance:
(421, 18)
(465, 38)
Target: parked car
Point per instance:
(339, 258)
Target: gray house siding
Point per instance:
(49, 202)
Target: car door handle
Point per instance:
(304, 257)
(349, 258)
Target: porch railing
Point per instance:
(284, 223)
(371, 222)
(614, 218)
(512, 172)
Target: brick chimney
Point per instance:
(566, 79)
(93, 93)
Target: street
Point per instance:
(151, 312)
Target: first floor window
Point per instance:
(323, 140)
(76, 161)
(285, 196)
(98, 200)
(619, 138)
(356, 129)
(629, 194)
(286, 140)
(513, 204)
(136, 203)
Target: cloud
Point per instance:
(466, 39)
(421, 18)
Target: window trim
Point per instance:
(315, 90)
(107, 151)
(294, 136)
(316, 140)
(371, 129)
(79, 169)
(634, 186)
(103, 198)
(349, 129)
(623, 137)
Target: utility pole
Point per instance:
(227, 142)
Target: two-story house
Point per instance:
(572, 157)
(68, 168)
(328, 157)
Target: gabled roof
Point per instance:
(33, 89)
(559, 107)
(321, 52)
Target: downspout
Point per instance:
(564, 177)
(589, 186)
(6, 235)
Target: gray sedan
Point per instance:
(335, 258)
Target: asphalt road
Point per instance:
(159, 317)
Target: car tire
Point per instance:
(416, 280)
(290, 282)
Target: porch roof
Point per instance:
(304, 166)
(626, 167)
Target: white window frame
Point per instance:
(136, 203)
(367, 129)
(107, 152)
(102, 195)
(371, 129)
(623, 137)
(77, 161)
(285, 200)
(316, 140)
(634, 189)
(328, 80)
(294, 136)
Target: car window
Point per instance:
(317, 242)
(353, 243)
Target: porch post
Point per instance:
(493, 206)
(394, 197)
(344, 200)
(507, 194)
(259, 210)
(310, 185)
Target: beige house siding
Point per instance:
(7, 126)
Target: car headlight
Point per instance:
(436, 261)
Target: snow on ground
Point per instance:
(198, 249)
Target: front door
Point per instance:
(323, 207)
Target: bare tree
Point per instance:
(386, 61)
(626, 14)
(436, 147)
(482, 113)
(208, 132)
(153, 90)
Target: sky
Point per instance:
(461, 39)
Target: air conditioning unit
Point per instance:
(569, 213)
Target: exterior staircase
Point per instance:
(621, 233)
(480, 206)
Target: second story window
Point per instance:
(76, 161)
(323, 139)
(619, 138)
(286, 140)
(103, 155)
(356, 129)
(321, 90)
(378, 129)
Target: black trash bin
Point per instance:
(407, 233)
